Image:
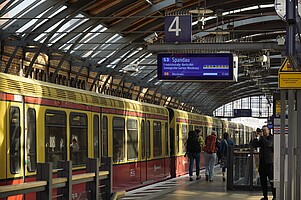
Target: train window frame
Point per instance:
(142, 140)
(133, 131)
(96, 138)
(118, 156)
(148, 139)
(15, 137)
(31, 139)
(104, 136)
(178, 138)
(157, 139)
(60, 126)
(184, 133)
(78, 126)
(166, 140)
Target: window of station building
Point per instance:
(157, 139)
(79, 138)
(31, 147)
(104, 136)
(132, 139)
(118, 139)
(55, 136)
(147, 139)
(166, 140)
(96, 135)
(184, 137)
(15, 134)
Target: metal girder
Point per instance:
(237, 46)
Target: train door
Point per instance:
(15, 172)
(172, 153)
(166, 151)
(143, 159)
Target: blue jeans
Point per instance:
(192, 157)
(210, 160)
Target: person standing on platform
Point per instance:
(200, 137)
(210, 150)
(193, 150)
(223, 151)
(266, 160)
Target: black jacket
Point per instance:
(266, 144)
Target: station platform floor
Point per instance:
(182, 189)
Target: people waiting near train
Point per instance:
(210, 150)
(266, 160)
(223, 152)
(74, 151)
(193, 151)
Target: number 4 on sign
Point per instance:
(176, 24)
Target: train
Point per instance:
(146, 142)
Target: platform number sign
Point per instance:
(178, 28)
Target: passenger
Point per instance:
(74, 151)
(266, 160)
(200, 137)
(223, 151)
(74, 145)
(193, 150)
(218, 153)
(210, 150)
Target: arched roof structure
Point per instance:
(88, 43)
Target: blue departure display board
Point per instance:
(195, 67)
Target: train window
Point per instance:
(79, 138)
(147, 139)
(178, 138)
(184, 137)
(55, 136)
(15, 134)
(31, 140)
(118, 139)
(104, 136)
(191, 127)
(142, 139)
(157, 139)
(166, 139)
(96, 135)
(132, 139)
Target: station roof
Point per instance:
(96, 40)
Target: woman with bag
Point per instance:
(223, 151)
(193, 151)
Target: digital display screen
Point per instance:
(195, 67)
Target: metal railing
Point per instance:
(242, 169)
(98, 179)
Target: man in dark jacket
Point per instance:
(266, 160)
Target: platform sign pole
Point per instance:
(298, 150)
(282, 146)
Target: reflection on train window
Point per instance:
(31, 140)
(55, 136)
(15, 155)
(96, 135)
(118, 139)
(191, 127)
(166, 140)
(147, 139)
(79, 135)
(178, 138)
(184, 137)
(142, 139)
(157, 139)
(104, 136)
(132, 139)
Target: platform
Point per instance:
(181, 189)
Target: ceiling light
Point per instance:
(201, 11)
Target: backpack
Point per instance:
(210, 144)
